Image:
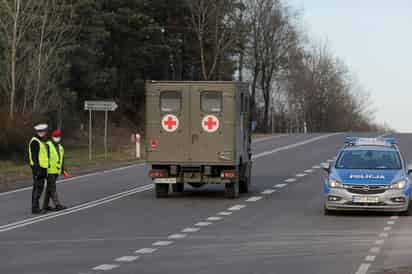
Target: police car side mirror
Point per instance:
(326, 167)
(409, 170)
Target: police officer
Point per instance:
(56, 168)
(39, 163)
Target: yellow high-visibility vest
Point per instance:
(43, 156)
(56, 158)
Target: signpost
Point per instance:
(105, 106)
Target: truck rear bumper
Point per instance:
(196, 180)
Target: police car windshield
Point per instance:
(369, 159)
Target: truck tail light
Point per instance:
(157, 173)
(228, 174)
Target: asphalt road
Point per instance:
(115, 225)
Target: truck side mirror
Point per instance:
(326, 167)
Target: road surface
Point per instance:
(115, 225)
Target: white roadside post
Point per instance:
(137, 140)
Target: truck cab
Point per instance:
(198, 133)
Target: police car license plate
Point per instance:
(365, 199)
(165, 181)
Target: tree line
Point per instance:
(54, 54)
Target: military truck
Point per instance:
(198, 133)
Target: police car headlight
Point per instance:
(399, 185)
(334, 184)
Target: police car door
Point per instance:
(210, 122)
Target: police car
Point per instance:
(368, 174)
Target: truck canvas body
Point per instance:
(198, 133)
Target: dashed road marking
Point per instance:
(290, 180)
(106, 267)
(308, 171)
(253, 199)
(363, 269)
(316, 167)
(268, 191)
(203, 223)
(236, 207)
(145, 250)
(127, 259)
(394, 217)
(225, 213)
(214, 218)
(191, 229)
(375, 250)
(370, 258)
(301, 175)
(379, 242)
(280, 185)
(177, 236)
(383, 235)
(162, 243)
(390, 222)
(387, 228)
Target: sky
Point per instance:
(374, 39)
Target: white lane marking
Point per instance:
(370, 258)
(268, 191)
(127, 259)
(177, 236)
(258, 140)
(300, 175)
(106, 267)
(225, 213)
(203, 223)
(290, 180)
(390, 222)
(162, 243)
(254, 199)
(324, 164)
(214, 218)
(75, 178)
(236, 207)
(308, 171)
(259, 155)
(145, 250)
(190, 230)
(383, 235)
(280, 185)
(74, 209)
(379, 242)
(363, 269)
(387, 228)
(331, 160)
(375, 250)
(394, 217)
(316, 167)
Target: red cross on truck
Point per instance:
(210, 123)
(170, 123)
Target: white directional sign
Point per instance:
(100, 105)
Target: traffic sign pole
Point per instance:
(90, 135)
(105, 134)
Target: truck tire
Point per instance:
(162, 190)
(178, 188)
(244, 181)
(232, 190)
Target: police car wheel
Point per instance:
(327, 212)
(162, 190)
(232, 190)
(178, 188)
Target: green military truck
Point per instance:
(198, 133)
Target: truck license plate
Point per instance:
(164, 181)
(365, 199)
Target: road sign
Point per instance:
(100, 105)
(210, 123)
(105, 106)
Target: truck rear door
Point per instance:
(212, 123)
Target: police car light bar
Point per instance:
(369, 141)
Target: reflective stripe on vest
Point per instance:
(43, 156)
(56, 158)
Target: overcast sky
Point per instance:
(374, 38)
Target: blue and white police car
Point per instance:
(368, 174)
